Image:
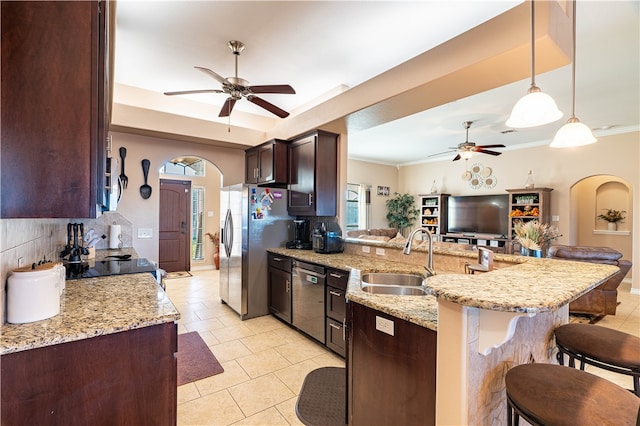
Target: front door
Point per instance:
(175, 197)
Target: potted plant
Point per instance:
(612, 217)
(534, 236)
(401, 211)
(215, 239)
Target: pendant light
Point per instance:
(535, 108)
(574, 133)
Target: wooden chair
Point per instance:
(485, 262)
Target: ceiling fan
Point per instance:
(238, 88)
(466, 149)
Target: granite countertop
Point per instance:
(93, 307)
(531, 285)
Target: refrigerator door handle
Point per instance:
(229, 233)
(226, 234)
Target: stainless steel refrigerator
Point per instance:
(252, 220)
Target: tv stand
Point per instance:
(496, 243)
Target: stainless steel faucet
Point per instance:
(407, 249)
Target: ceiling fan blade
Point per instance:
(274, 88)
(457, 157)
(492, 146)
(191, 92)
(486, 151)
(227, 107)
(442, 153)
(268, 106)
(213, 74)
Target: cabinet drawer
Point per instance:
(280, 262)
(336, 303)
(336, 337)
(337, 278)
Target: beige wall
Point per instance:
(560, 169)
(375, 175)
(145, 213)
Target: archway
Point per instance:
(590, 197)
(202, 179)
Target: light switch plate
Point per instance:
(144, 233)
(380, 251)
(366, 249)
(555, 218)
(384, 325)
(209, 214)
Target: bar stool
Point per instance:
(546, 394)
(601, 347)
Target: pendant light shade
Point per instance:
(535, 108)
(574, 133)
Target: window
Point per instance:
(184, 166)
(357, 209)
(197, 223)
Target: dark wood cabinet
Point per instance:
(267, 164)
(402, 390)
(280, 286)
(54, 63)
(336, 310)
(125, 378)
(313, 174)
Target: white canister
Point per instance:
(33, 294)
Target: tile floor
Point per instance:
(265, 361)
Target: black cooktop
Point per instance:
(107, 267)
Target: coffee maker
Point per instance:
(301, 238)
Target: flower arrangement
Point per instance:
(534, 235)
(215, 238)
(612, 216)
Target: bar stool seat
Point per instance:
(601, 347)
(546, 394)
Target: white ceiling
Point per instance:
(324, 47)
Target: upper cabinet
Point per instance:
(54, 65)
(267, 164)
(313, 174)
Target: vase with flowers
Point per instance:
(215, 239)
(612, 217)
(534, 237)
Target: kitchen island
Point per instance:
(107, 358)
(486, 323)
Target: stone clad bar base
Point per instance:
(470, 387)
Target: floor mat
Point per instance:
(181, 274)
(322, 400)
(195, 359)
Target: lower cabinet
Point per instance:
(280, 287)
(402, 391)
(336, 309)
(125, 378)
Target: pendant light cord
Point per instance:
(573, 64)
(533, 45)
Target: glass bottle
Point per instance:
(434, 188)
(529, 183)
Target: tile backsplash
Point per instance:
(37, 239)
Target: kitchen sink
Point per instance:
(398, 290)
(392, 279)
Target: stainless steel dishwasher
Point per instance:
(308, 298)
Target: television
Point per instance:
(479, 214)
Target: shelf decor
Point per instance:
(612, 217)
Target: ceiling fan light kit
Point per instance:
(574, 133)
(237, 88)
(535, 108)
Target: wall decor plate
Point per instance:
(490, 181)
(466, 176)
(486, 172)
(475, 182)
(476, 168)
